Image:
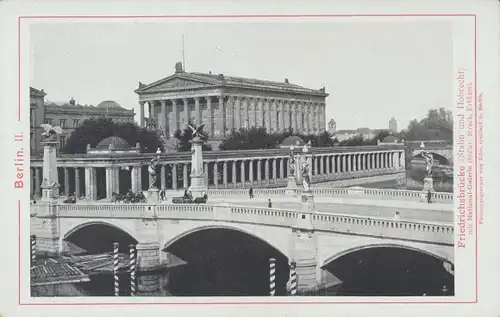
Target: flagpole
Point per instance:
(183, 59)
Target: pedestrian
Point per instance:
(396, 216)
(250, 192)
(429, 196)
(270, 204)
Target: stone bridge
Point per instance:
(312, 239)
(442, 150)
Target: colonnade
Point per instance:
(221, 114)
(101, 182)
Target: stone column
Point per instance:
(344, 163)
(66, 182)
(205, 172)
(294, 116)
(78, 192)
(275, 171)
(152, 114)
(186, 112)
(250, 171)
(109, 182)
(251, 113)
(210, 117)
(139, 178)
(327, 166)
(116, 186)
(163, 177)
(163, 121)
(185, 175)
(286, 116)
(233, 165)
(219, 125)
(141, 110)
(298, 114)
(237, 113)
(268, 116)
(174, 176)
(38, 182)
(273, 124)
(229, 115)
(245, 114)
(321, 165)
(259, 171)
(261, 118)
(133, 179)
(282, 168)
(93, 183)
(281, 117)
(174, 118)
(266, 170)
(32, 183)
(224, 174)
(242, 173)
(216, 174)
(197, 110)
(305, 110)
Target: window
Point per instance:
(48, 121)
(62, 123)
(62, 141)
(76, 122)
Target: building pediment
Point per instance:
(175, 83)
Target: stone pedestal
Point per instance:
(428, 185)
(148, 256)
(153, 195)
(305, 256)
(198, 187)
(291, 188)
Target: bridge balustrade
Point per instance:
(360, 192)
(418, 231)
(437, 233)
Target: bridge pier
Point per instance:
(148, 256)
(45, 226)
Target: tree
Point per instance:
(437, 125)
(94, 130)
(186, 135)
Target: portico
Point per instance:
(225, 103)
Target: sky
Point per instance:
(372, 70)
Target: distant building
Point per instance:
(68, 115)
(332, 126)
(366, 133)
(393, 125)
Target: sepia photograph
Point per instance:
(240, 158)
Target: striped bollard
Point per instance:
(33, 249)
(132, 270)
(115, 268)
(272, 276)
(293, 279)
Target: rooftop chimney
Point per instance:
(286, 81)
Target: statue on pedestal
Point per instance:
(291, 163)
(198, 187)
(429, 163)
(305, 174)
(50, 134)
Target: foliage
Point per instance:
(437, 125)
(358, 140)
(94, 130)
(259, 138)
(185, 136)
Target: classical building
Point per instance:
(393, 125)
(224, 103)
(332, 126)
(68, 115)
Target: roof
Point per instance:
(390, 139)
(359, 131)
(293, 141)
(36, 92)
(109, 104)
(115, 142)
(181, 80)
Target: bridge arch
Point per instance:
(342, 253)
(98, 236)
(283, 249)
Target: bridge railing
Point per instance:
(387, 228)
(321, 221)
(322, 192)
